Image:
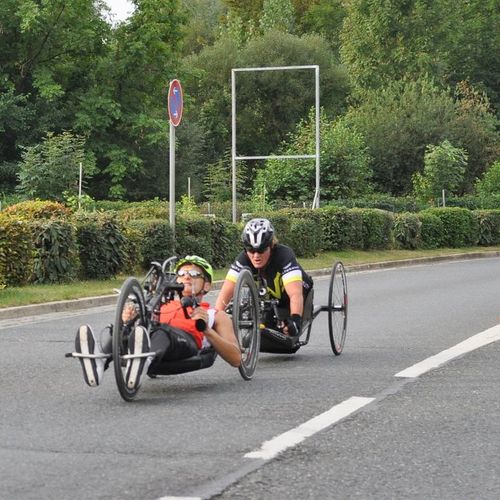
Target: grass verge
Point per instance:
(37, 294)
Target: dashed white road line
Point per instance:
(470, 344)
(270, 449)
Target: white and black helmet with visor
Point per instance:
(257, 235)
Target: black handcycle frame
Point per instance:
(159, 286)
(275, 341)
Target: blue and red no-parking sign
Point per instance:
(175, 102)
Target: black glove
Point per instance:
(294, 324)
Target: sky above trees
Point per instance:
(120, 9)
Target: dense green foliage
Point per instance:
(344, 161)
(16, 251)
(396, 78)
(101, 245)
(56, 253)
(52, 168)
(444, 167)
(489, 183)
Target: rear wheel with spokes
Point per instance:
(337, 308)
(245, 316)
(131, 298)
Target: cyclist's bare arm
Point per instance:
(225, 295)
(223, 339)
(294, 292)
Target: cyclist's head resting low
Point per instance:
(196, 273)
(258, 239)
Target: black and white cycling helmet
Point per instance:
(258, 234)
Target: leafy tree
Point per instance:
(489, 183)
(450, 40)
(475, 129)
(277, 15)
(390, 40)
(397, 123)
(324, 17)
(219, 180)
(48, 54)
(400, 120)
(202, 26)
(248, 10)
(131, 143)
(444, 168)
(269, 104)
(51, 168)
(344, 164)
(475, 45)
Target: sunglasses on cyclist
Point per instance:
(192, 272)
(256, 250)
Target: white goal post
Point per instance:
(235, 157)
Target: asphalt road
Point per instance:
(432, 436)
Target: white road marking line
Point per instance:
(270, 449)
(479, 340)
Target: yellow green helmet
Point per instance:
(197, 261)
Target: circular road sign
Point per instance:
(175, 102)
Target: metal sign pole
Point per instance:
(171, 196)
(175, 108)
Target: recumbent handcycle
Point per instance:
(158, 287)
(272, 317)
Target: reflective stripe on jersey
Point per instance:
(232, 275)
(293, 275)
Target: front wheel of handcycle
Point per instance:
(337, 308)
(245, 316)
(131, 297)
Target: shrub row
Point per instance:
(447, 227)
(47, 248)
(338, 228)
(36, 246)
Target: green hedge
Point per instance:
(153, 240)
(37, 209)
(226, 242)
(342, 228)
(56, 254)
(36, 246)
(193, 236)
(431, 230)
(377, 228)
(16, 251)
(460, 227)
(488, 222)
(298, 228)
(407, 231)
(101, 245)
(147, 241)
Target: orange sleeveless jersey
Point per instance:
(172, 314)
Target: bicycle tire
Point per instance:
(131, 291)
(245, 317)
(337, 308)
